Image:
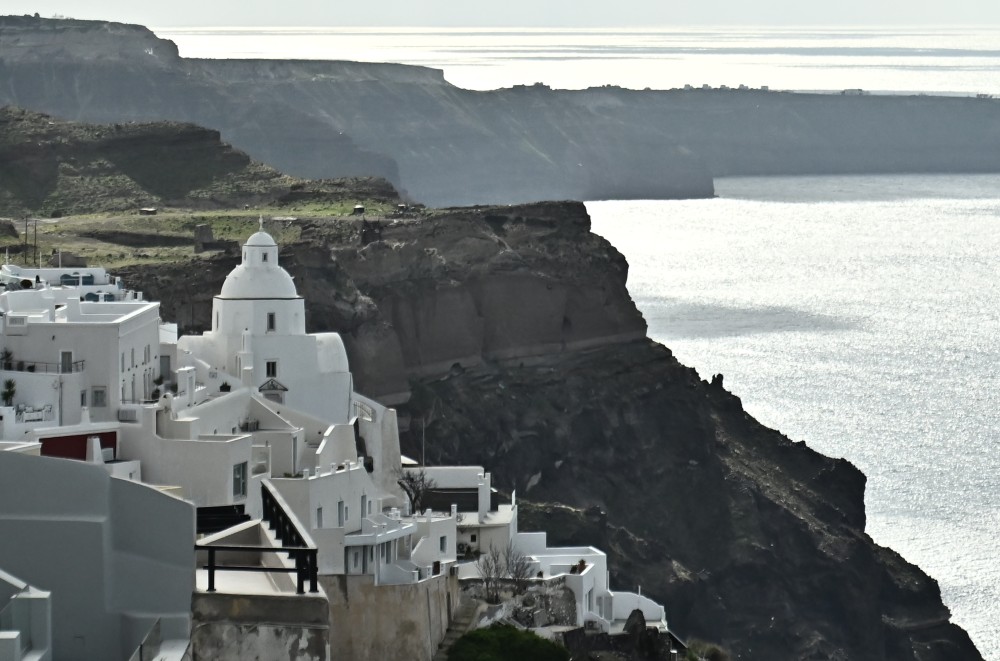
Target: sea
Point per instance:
(857, 313)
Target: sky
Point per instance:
(516, 13)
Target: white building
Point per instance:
(116, 556)
(259, 335)
(68, 367)
(209, 418)
(25, 621)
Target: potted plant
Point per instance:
(7, 359)
(9, 390)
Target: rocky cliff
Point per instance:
(52, 168)
(512, 334)
(440, 143)
(445, 145)
(507, 333)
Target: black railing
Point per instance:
(43, 368)
(295, 542)
(305, 563)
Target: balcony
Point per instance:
(43, 368)
(24, 413)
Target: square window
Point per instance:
(472, 538)
(99, 396)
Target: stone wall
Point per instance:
(230, 627)
(388, 622)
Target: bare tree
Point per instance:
(415, 484)
(491, 570)
(517, 567)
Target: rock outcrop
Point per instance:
(52, 168)
(511, 336)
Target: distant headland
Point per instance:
(443, 145)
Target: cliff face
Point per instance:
(52, 168)
(522, 350)
(444, 145)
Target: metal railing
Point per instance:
(295, 542)
(43, 368)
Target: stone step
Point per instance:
(460, 624)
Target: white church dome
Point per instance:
(261, 240)
(259, 276)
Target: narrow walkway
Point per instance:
(458, 627)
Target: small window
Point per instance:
(216, 321)
(443, 543)
(123, 361)
(263, 257)
(319, 517)
(272, 322)
(83, 398)
(133, 356)
(356, 559)
(271, 367)
(240, 480)
(99, 396)
(340, 514)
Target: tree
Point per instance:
(502, 642)
(499, 564)
(491, 570)
(415, 484)
(9, 390)
(517, 567)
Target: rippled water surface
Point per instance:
(859, 314)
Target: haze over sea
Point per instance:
(859, 314)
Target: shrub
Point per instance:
(505, 643)
(699, 649)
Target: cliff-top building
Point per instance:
(256, 426)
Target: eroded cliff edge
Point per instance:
(445, 145)
(512, 334)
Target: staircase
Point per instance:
(458, 627)
(213, 519)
